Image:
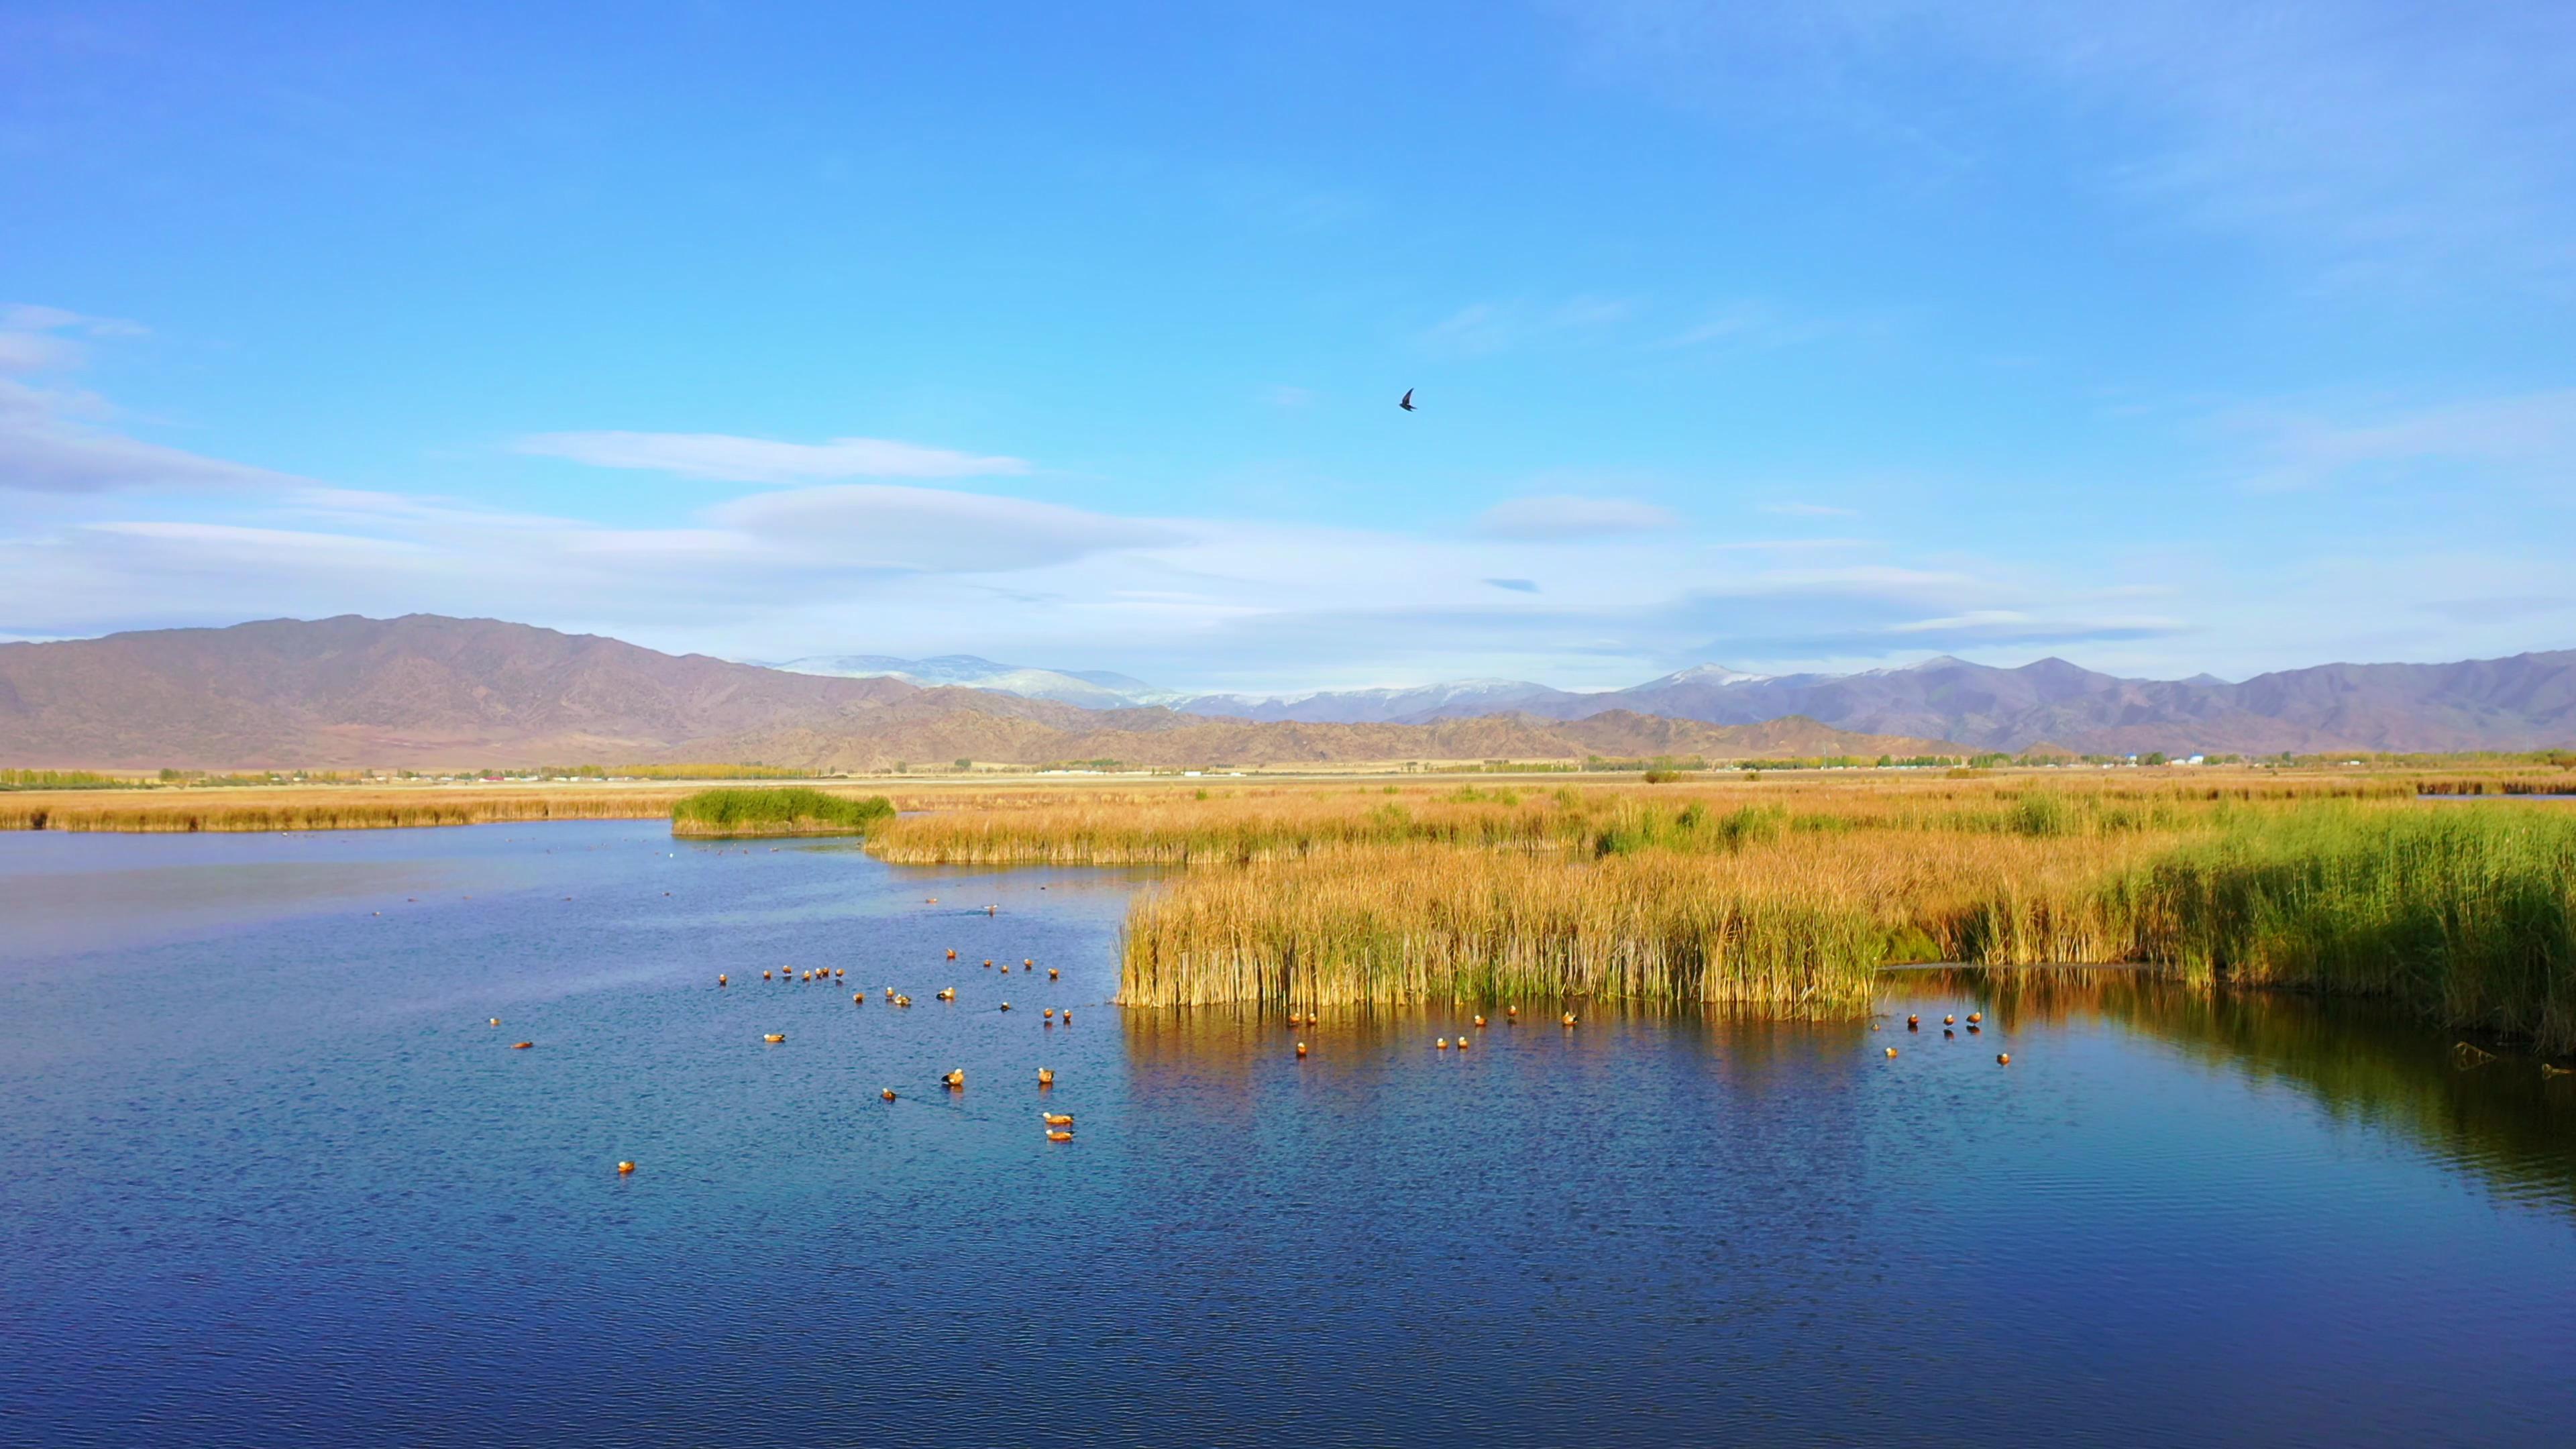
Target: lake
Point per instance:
(271, 1179)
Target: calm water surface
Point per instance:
(269, 1179)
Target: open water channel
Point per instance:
(269, 1178)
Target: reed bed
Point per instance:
(2499, 785)
(334, 808)
(1799, 924)
(1230, 831)
(793, 810)
(1238, 826)
(1424, 923)
(2467, 915)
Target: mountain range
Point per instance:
(2524, 702)
(428, 690)
(424, 690)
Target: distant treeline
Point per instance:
(207, 779)
(681, 772)
(59, 780)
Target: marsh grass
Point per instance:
(2469, 915)
(789, 810)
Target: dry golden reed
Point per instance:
(1426, 923)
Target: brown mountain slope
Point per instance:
(350, 691)
(425, 690)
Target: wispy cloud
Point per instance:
(1481, 329)
(47, 445)
(1474, 330)
(1517, 586)
(56, 439)
(1590, 311)
(1751, 324)
(1810, 510)
(25, 352)
(1566, 516)
(34, 317)
(933, 530)
(2388, 139)
(36, 339)
(724, 457)
(2529, 437)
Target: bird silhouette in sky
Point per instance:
(1407, 403)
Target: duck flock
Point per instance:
(1058, 1126)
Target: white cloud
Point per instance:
(726, 458)
(1566, 516)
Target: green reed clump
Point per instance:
(2467, 914)
(796, 810)
(1697, 827)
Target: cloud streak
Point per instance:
(1564, 516)
(2529, 437)
(45, 447)
(723, 457)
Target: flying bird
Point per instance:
(1407, 403)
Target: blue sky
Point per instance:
(1807, 336)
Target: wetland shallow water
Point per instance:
(271, 1179)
